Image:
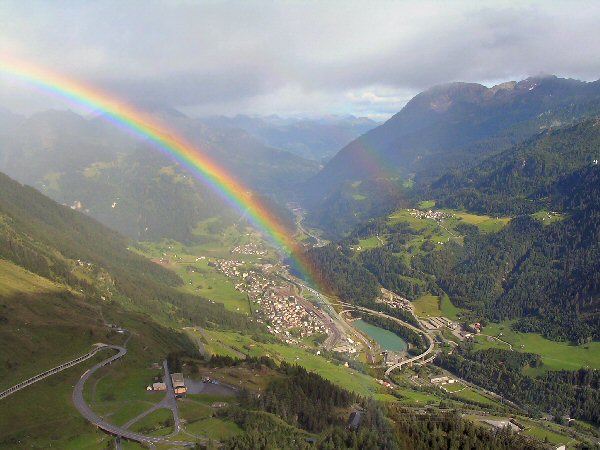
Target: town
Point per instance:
(285, 313)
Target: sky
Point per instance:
(292, 58)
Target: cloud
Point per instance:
(304, 57)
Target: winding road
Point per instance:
(422, 356)
(110, 428)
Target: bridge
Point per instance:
(423, 357)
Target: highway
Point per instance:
(110, 428)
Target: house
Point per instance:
(474, 327)
(178, 384)
(159, 387)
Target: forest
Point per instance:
(572, 393)
(381, 426)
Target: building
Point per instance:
(393, 358)
(501, 424)
(435, 379)
(178, 384)
(159, 387)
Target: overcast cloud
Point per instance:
(300, 58)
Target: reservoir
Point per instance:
(385, 338)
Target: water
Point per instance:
(385, 338)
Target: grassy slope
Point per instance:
(347, 378)
(44, 324)
(434, 306)
(47, 325)
(555, 355)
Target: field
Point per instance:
(486, 224)
(417, 398)
(541, 433)
(371, 242)
(434, 306)
(555, 355)
(548, 218)
(15, 280)
(454, 387)
(214, 428)
(345, 377)
(157, 423)
(474, 396)
(199, 278)
(427, 204)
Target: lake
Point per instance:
(385, 338)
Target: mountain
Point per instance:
(315, 139)
(125, 183)
(452, 125)
(539, 266)
(543, 272)
(70, 248)
(521, 179)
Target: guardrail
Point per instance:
(47, 373)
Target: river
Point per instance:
(386, 339)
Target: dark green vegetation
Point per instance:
(65, 246)
(537, 272)
(450, 125)
(63, 279)
(575, 394)
(354, 202)
(522, 179)
(507, 275)
(342, 275)
(301, 410)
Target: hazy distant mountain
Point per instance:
(93, 166)
(453, 123)
(317, 139)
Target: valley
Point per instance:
(310, 307)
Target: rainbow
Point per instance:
(170, 144)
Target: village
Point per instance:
(251, 248)
(429, 214)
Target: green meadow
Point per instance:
(435, 306)
(555, 355)
(343, 376)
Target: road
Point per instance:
(405, 324)
(47, 373)
(299, 220)
(170, 399)
(334, 335)
(110, 428)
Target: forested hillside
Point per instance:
(63, 245)
(521, 180)
(547, 275)
(452, 124)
